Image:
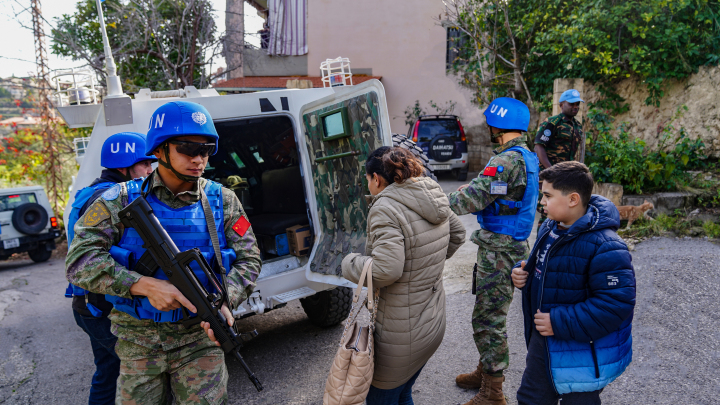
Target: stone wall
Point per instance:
(700, 93)
(479, 147)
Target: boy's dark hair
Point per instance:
(570, 177)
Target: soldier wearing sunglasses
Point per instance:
(155, 350)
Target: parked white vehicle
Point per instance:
(294, 158)
(27, 223)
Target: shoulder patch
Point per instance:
(96, 214)
(112, 193)
(241, 226)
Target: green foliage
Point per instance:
(412, 112)
(4, 93)
(602, 41)
(712, 229)
(618, 158)
(158, 44)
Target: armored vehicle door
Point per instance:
(340, 132)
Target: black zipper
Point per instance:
(542, 290)
(595, 360)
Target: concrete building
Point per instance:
(402, 43)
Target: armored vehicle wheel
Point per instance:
(328, 308)
(404, 142)
(39, 255)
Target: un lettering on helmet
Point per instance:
(159, 119)
(501, 112)
(129, 147)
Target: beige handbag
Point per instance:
(352, 370)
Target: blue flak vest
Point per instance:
(188, 229)
(520, 225)
(81, 197)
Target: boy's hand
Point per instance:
(462, 187)
(543, 324)
(519, 275)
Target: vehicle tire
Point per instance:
(30, 218)
(328, 308)
(462, 175)
(442, 149)
(39, 255)
(406, 143)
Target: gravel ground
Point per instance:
(46, 359)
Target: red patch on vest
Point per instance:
(241, 226)
(490, 171)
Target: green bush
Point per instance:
(619, 158)
(712, 229)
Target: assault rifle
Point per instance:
(176, 266)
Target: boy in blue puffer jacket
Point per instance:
(578, 302)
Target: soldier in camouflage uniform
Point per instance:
(559, 137)
(496, 193)
(158, 355)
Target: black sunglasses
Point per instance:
(193, 149)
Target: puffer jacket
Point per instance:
(411, 231)
(588, 288)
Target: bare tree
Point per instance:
(490, 60)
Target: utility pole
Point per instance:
(234, 45)
(48, 131)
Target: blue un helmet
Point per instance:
(123, 150)
(508, 114)
(179, 118)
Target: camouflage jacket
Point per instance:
(476, 196)
(561, 136)
(90, 266)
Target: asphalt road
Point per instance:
(46, 359)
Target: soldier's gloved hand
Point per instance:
(230, 320)
(519, 275)
(162, 294)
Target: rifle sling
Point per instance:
(215, 241)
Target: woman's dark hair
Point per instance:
(395, 165)
(374, 164)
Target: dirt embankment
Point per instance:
(700, 93)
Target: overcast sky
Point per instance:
(17, 43)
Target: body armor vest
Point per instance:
(520, 225)
(188, 229)
(81, 198)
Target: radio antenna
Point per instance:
(114, 87)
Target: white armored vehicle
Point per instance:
(295, 159)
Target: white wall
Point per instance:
(401, 41)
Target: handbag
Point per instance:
(352, 370)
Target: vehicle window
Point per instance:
(428, 130)
(10, 202)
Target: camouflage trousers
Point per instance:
(493, 295)
(196, 374)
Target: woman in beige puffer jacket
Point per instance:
(411, 232)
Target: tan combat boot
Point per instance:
(491, 392)
(471, 380)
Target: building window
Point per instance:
(456, 47)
